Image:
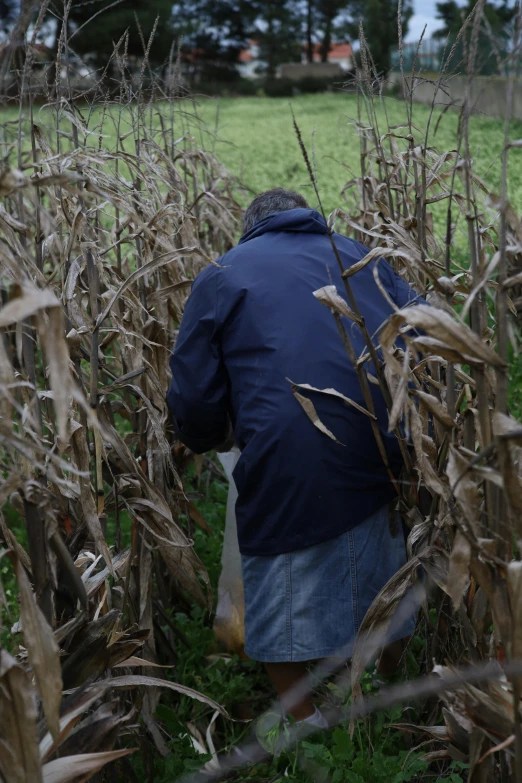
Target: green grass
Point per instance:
(376, 754)
(255, 139)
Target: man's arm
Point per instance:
(198, 394)
(403, 294)
(399, 290)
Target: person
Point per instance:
(312, 512)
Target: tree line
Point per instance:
(215, 31)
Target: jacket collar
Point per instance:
(306, 221)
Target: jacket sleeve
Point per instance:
(198, 393)
(399, 290)
(401, 293)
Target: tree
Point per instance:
(9, 10)
(104, 26)
(216, 30)
(309, 28)
(14, 53)
(332, 18)
(494, 31)
(499, 15)
(279, 29)
(379, 19)
(219, 29)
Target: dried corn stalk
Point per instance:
(99, 243)
(449, 377)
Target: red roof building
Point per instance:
(340, 53)
(249, 62)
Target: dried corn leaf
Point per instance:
(372, 634)
(73, 707)
(458, 578)
(330, 297)
(438, 324)
(309, 408)
(464, 488)
(30, 302)
(435, 407)
(507, 428)
(514, 583)
(333, 393)
(89, 511)
(151, 266)
(43, 652)
(52, 334)
(134, 680)
(19, 756)
(81, 766)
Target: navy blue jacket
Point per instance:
(249, 325)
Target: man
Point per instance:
(312, 513)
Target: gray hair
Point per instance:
(276, 200)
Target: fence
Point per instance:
(432, 53)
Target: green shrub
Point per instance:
(283, 88)
(280, 88)
(312, 84)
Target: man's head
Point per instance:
(276, 200)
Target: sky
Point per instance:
(425, 13)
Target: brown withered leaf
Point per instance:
(399, 394)
(11, 540)
(464, 488)
(42, 650)
(73, 707)
(440, 325)
(497, 594)
(436, 755)
(436, 564)
(177, 550)
(88, 506)
(458, 578)
(198, 518)
(134, 680)
(377, 620)
(492, 714)
(398, 407)
(429, 474)
(309, 408)
(435, 732)
(141, 662)
(435, 347)
(333, 393)
(19, 755)
(372, 255)
(89, 654)
(30, 302)
(6, 377)
(98, 731)
(512, 484)
(513, 280)
(79, 767)
(435, 407)
(94, 581)
(151, 266)
(52, 334)
(514, 584)
(12, 222)
(329, 296)
(507, 428)
(10, 179)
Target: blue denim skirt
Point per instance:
(309, 604)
